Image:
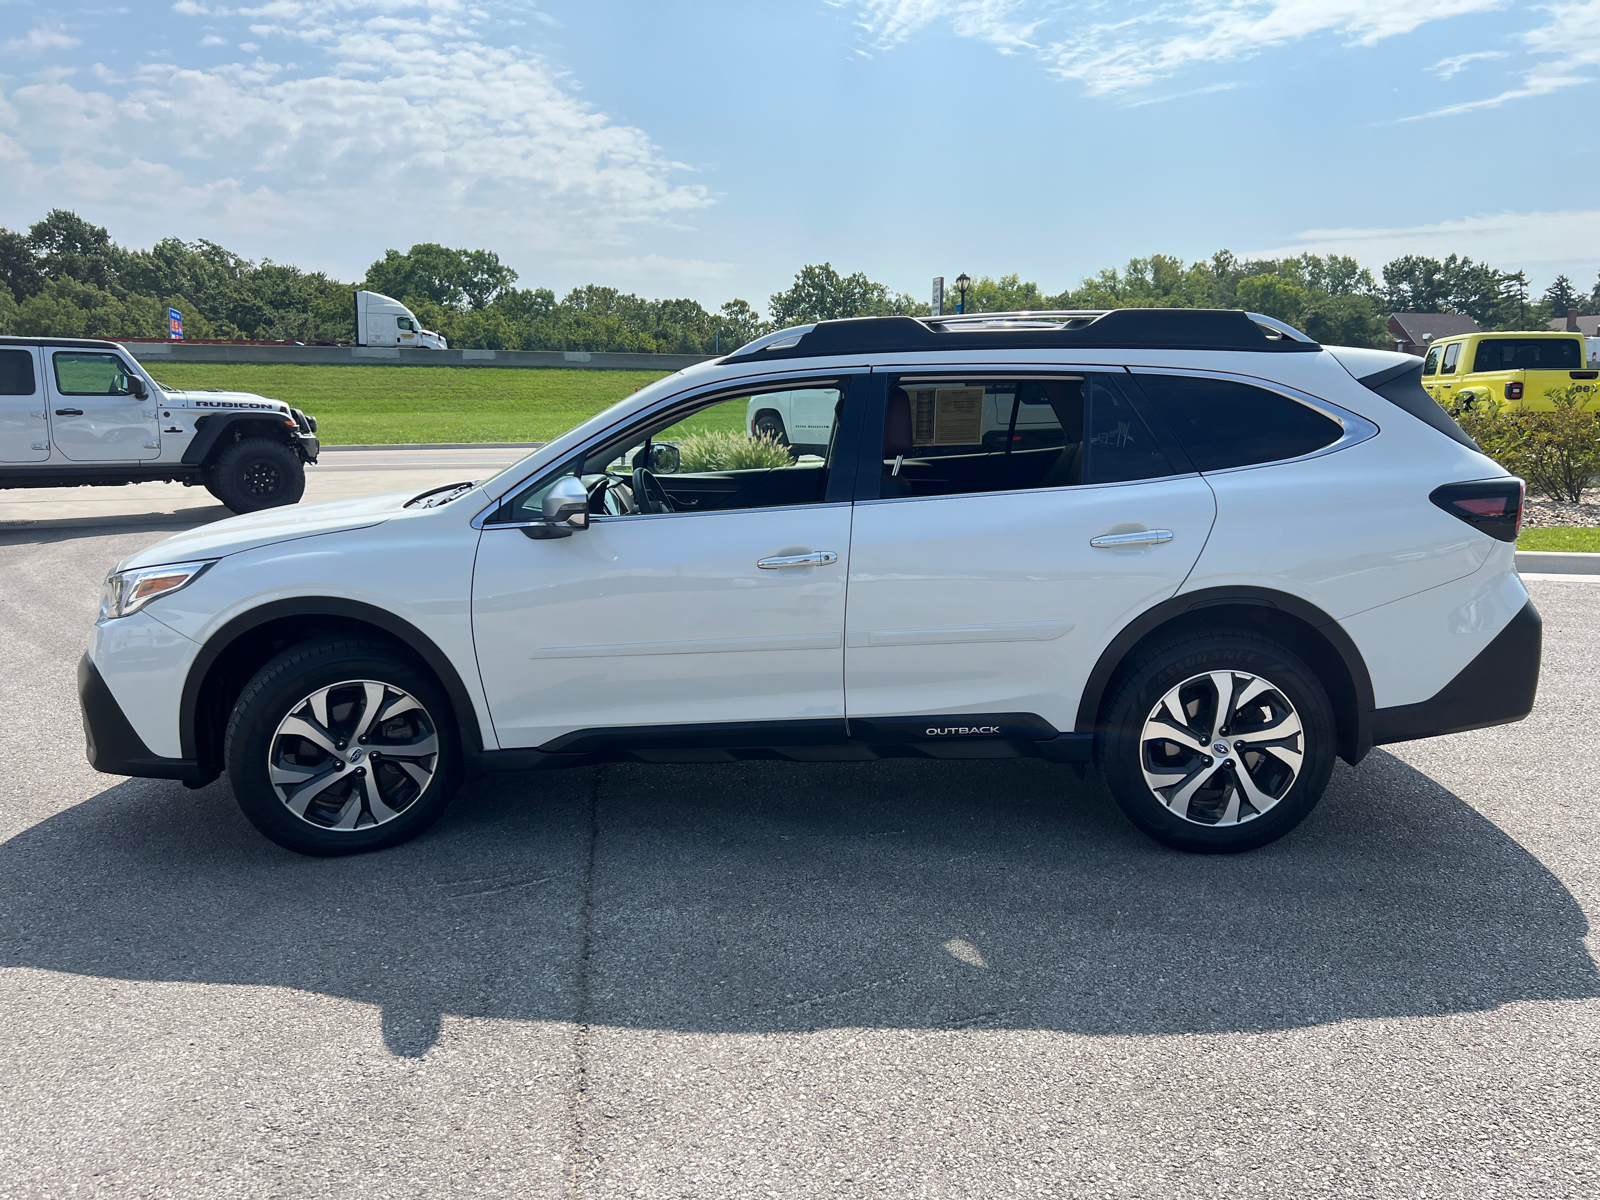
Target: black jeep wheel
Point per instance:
(254, 474)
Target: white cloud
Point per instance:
(212, 39)
(37, 41)
(1508, 238)
(404, 125)
(1569, 50)
(1449, 68)
(1114, 48)
(888, 22)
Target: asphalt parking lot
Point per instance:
(899, 979)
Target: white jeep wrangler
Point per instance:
(75, 413)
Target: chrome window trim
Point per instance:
(731, 384)
(1357, 429)
(1033, 491)
(607, 518)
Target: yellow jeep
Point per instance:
(1518, 369)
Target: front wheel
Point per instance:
(769, 425)
(336, 747)
(1218, 743)
(256, 473)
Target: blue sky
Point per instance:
(708, 149)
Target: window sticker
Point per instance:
(950, 416)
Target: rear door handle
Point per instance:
(69, 412)
(1143, 537)
(819, 558)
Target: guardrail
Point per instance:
(155, 353)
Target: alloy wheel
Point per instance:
(1221, 748)
(353, 755)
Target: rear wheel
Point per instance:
(1218, 743)
(256, 473)
(770, 425)
(337, 747)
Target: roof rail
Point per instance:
(1114, 329)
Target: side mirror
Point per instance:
(665, 458)
(567, 504)
(136, 388)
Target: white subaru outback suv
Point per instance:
(1219, 556)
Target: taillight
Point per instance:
(1495, 507)
(1513, 391)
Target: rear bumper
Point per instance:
(112, 744)
(1495, 688)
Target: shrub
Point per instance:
(1557, 452)
(730, 450)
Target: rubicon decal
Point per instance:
(237, 404)
(959, 730)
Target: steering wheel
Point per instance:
(648, 493)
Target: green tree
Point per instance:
(1273, 296)
(820, 293)
(1456, 284)
(450, 278)
(45, 314)
(1347, 320)
(8, 310)
(1006, 294)
(1560, 296)
(68, 247)
(19, 269)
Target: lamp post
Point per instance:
(963, 282)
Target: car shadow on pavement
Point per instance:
(773, 897)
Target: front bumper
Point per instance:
(308, 445)
(113, 746)
(1495, 688)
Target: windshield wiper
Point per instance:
(432, 498)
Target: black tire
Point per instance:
(1187, 668)
(770, 424)
(256, 473)
(281, 692)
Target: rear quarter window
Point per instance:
(1225, 424)
(16, 373)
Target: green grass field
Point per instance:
(381, 405)
(1585, 538)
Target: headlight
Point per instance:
(129, 591)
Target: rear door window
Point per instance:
(1222, 423)
(1452, 352)
(957, 437)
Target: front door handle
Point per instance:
(1143, 537)
(819, 558)
(69, 412)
